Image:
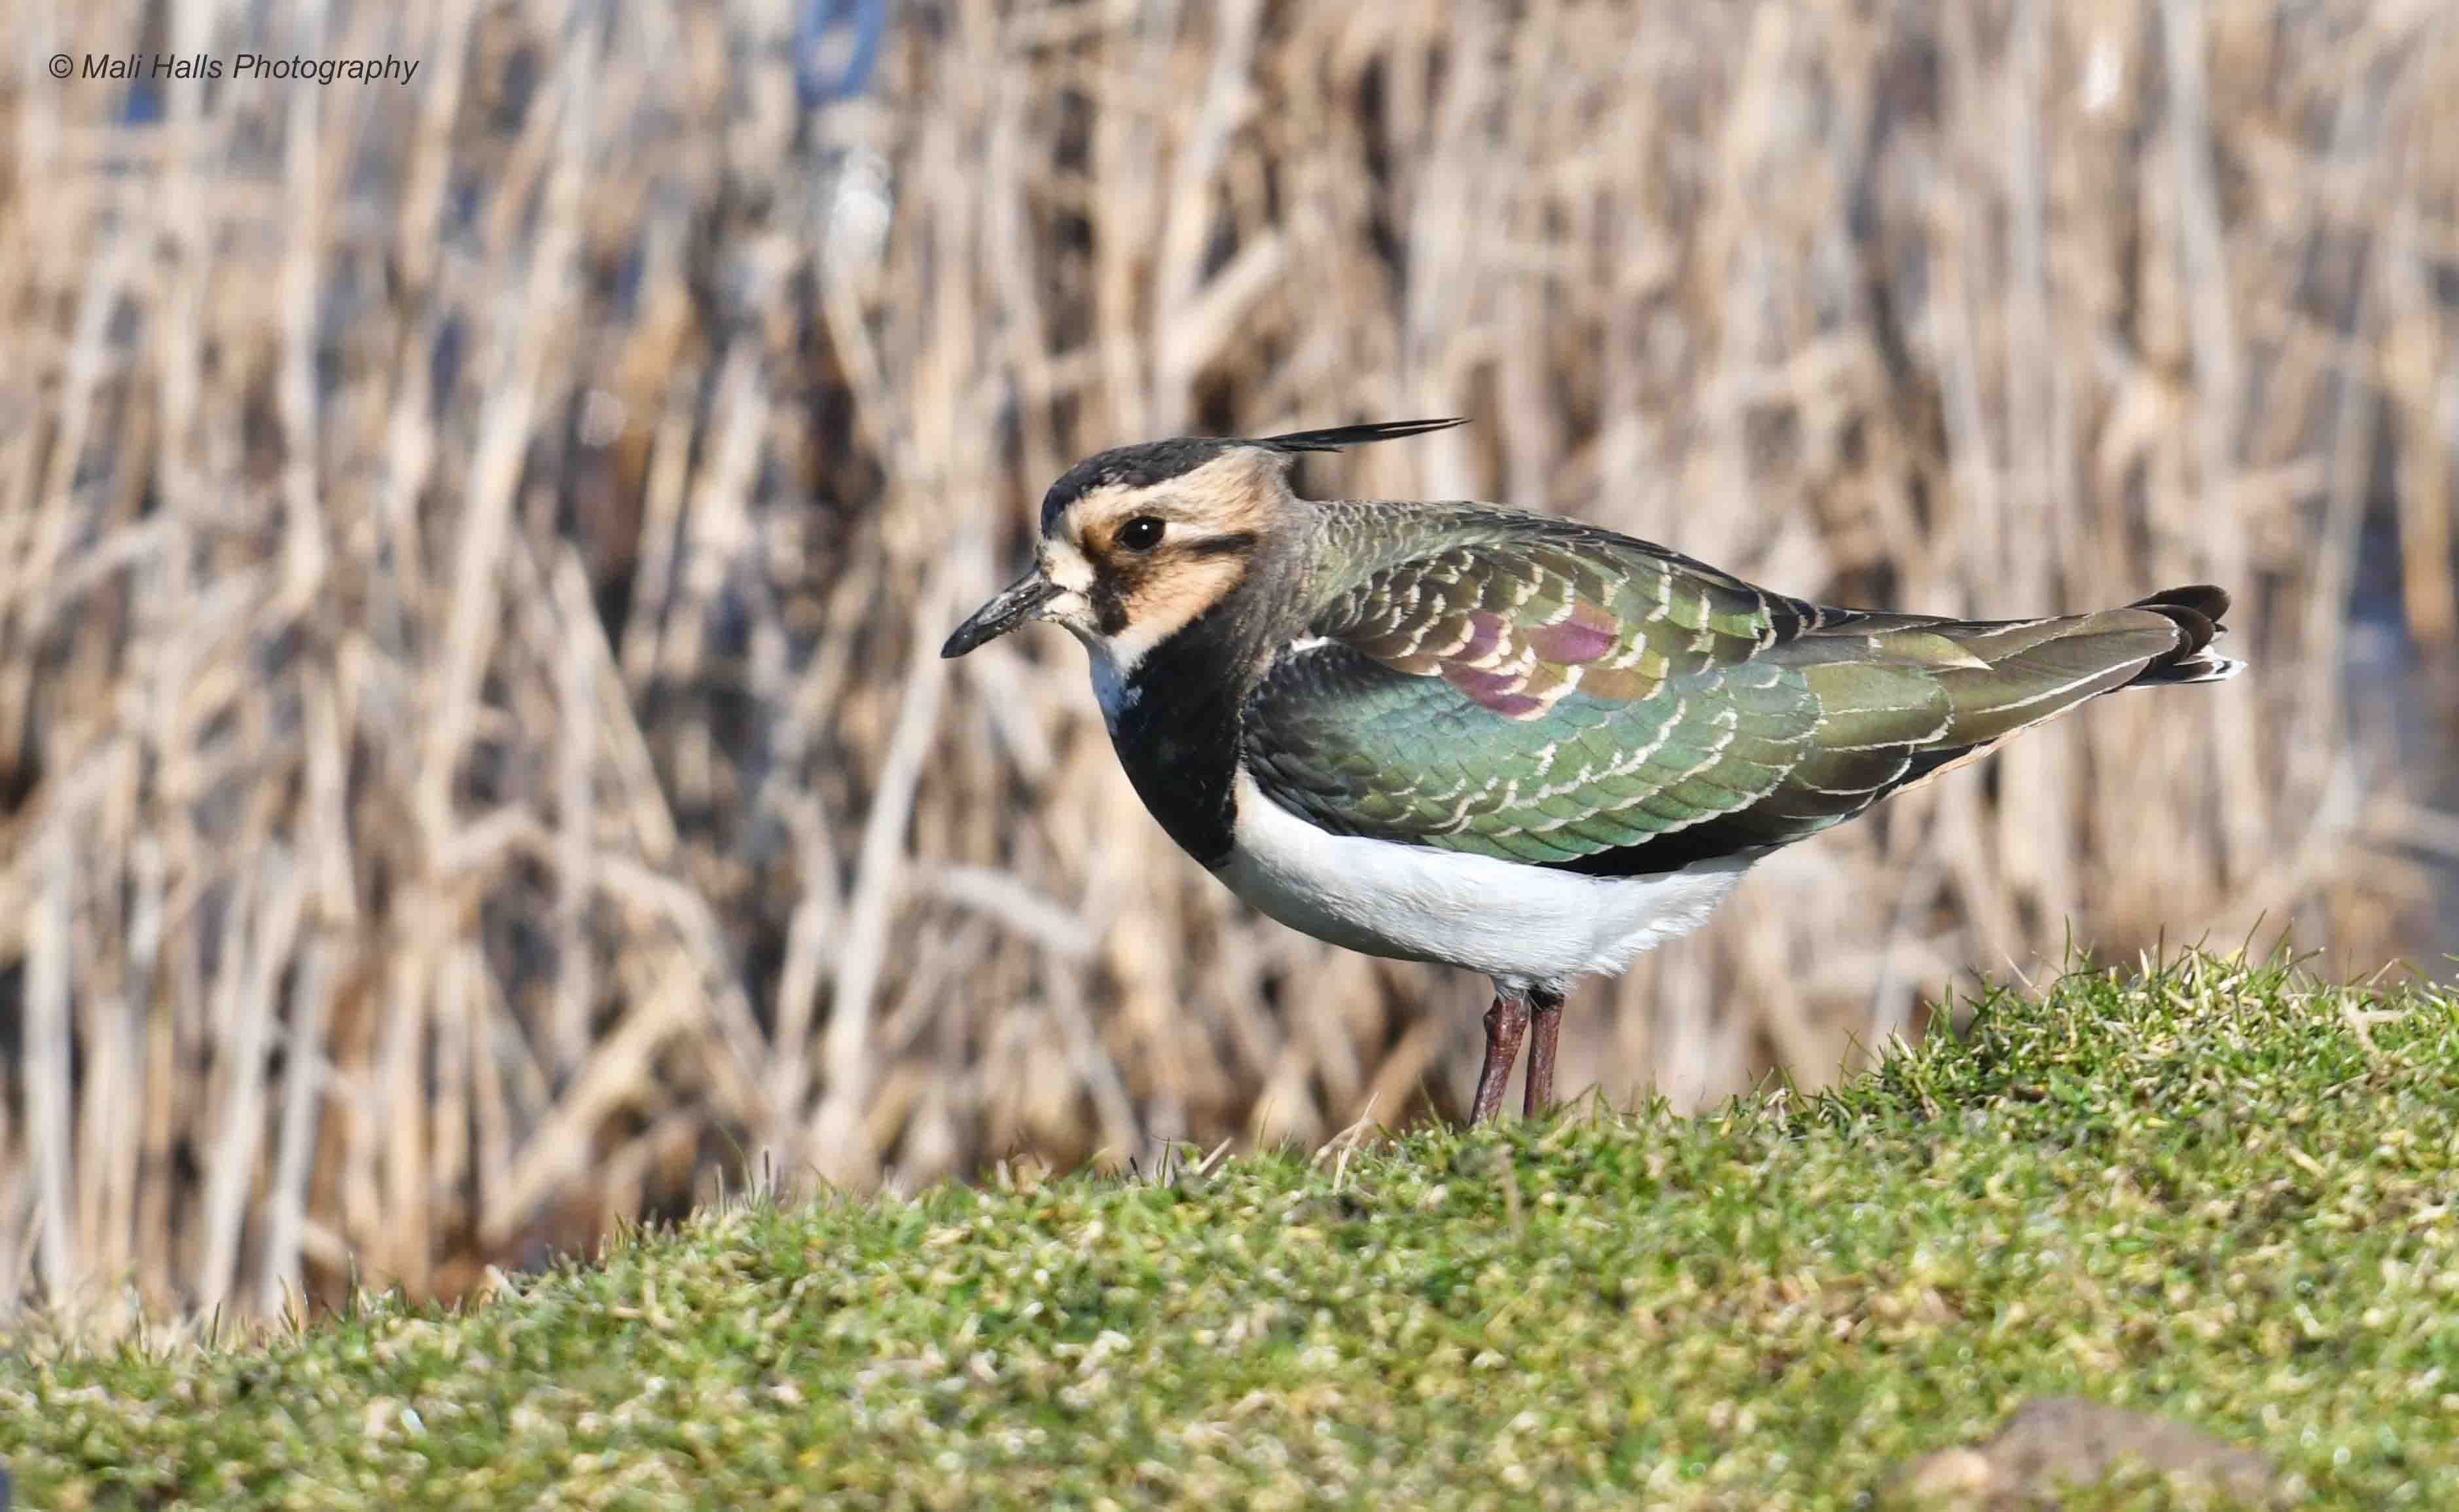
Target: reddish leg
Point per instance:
(1546, 1022)
(1504, 1023)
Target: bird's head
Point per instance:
(1138, 541)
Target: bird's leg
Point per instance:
(1545, 1022)
(1504, 1023)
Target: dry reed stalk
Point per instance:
(471, 750)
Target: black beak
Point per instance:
(1011, 606)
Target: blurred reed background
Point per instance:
(474, 763)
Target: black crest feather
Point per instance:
(1339, 436)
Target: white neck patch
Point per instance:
(1111, 688)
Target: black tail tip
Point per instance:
(2206, 600)
(2197, 609)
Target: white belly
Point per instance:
(1519, 924)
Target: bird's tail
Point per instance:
(1952, 686)
(1904, 698)
(2196, 609)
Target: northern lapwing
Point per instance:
(1504, 741)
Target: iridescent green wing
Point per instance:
(1544, 691)
(1528, 688)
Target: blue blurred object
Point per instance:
(818, 19)
(143, 108)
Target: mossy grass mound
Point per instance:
(2217, 1193)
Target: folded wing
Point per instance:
(1546, 692)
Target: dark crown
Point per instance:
(1151, 462)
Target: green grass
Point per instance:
(2214, 1195)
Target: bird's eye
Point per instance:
(1141, 534)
